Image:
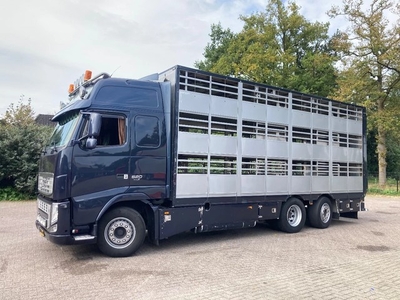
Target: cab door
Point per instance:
(101, 173)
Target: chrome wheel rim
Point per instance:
(294, 215)
(120, 233)
(325, 213)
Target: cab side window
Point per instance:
(147, 131)
(112, 132)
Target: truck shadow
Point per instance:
(190, 239)
(262, 231)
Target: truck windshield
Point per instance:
(63, 131)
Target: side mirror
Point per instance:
(94, 125)
(93, 130)
(91, 143)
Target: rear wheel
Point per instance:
(320, 213)
(292, 217)
(121, 232)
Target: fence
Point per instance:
(392, 182)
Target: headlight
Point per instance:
(54, 213)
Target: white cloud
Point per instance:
(47, 44)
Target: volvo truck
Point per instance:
(188, 150)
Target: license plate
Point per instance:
(41, 232)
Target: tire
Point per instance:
(293, 216)
(320, 213)
(121, 232)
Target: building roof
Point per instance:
(42, 119)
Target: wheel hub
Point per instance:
(325, 213)
(294, 215)
(120, 232)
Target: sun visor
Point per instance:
(76, 105)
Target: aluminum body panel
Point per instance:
(237, 139)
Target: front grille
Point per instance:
(43, 206)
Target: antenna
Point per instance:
(115, 71)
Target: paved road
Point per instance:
(353, 259)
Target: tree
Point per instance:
(277, 47)
(370, 71)
(392, 157)
(220, 39)
(21, 141)
(21, 114)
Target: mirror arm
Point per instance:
(83, 137)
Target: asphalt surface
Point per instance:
(352, 259)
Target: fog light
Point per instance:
(53, 228)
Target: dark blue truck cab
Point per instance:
(189, 150)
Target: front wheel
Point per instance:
(121, 232)
(293, 216)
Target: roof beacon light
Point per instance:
(71, 88)
(88, 75)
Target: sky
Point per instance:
(45, 44)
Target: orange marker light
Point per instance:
(71, 88)
(88, 75)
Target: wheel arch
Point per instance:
(137, 201)
(296, 197)
(329, 196)
(311, 201)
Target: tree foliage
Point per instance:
(21, 141)
(370, 71)
(220, 40)
(21, 114)
(278, 47)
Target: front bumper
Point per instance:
(63, 239)
(54, 223)
(59, 239)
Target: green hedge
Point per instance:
(20, 148)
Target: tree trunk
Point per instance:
(381, 147)
(382, 157)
